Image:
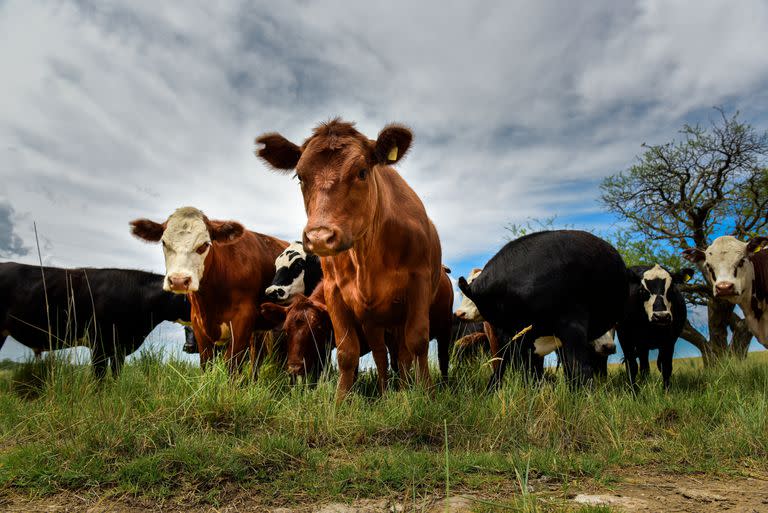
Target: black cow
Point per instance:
(296, 273)
(565, 284)
(111, 310)
(654, 318)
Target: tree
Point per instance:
(685, 193)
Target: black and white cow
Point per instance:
(654, 318)
(738, 272)
(296, 272)
(110, 310)
(603, 346)
(569, 285)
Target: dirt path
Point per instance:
(638, 492)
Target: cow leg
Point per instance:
(417, 332)
(664, 363)
(204, 346)
(645, 367)
(347, 341)
(501, 356)
(576, 352)
(116, 362)
(630, 358)
(99, 361)
(444, 353)
(374, 335)
(237, 350)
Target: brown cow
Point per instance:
(224, 270)
(379, 251)
(309, 332)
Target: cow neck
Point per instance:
(758, 285)
(363, 249)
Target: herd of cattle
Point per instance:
(368, 277)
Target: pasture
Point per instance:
(165, 435)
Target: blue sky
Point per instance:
(115, 110)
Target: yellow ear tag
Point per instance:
(687, 278)
(392, 154)
(758, 248)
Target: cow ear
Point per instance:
(225, 232)
(278, 152)
(274, 313)
(756, 244)
(683, 275)
(392, 144)
(634, 277)
(147, 230)
(694, 255)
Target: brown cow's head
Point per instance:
(307, 327)
(187, 236)
(337, 169)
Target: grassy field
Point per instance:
(165, 432)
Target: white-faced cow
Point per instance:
(296, 272)
(565, 284)
(223, 269)
(654, 318)
(738, 272)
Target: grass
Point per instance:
(165, 431)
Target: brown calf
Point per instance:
(379, 251)
(224, 270)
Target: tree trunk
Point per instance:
(719, 314)
(741, 338)
(692, 335)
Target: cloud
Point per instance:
(11, 244)
(113, 111)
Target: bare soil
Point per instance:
(638, 491)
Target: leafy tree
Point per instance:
(712, 181)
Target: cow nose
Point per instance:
(607, 349)
(460, 315)
(320, 240)
(179, 282)
(661, 317)
(274, 293)
(295, 369)
(725, 288)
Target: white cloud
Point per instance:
(111, 112)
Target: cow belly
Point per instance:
(542, 346)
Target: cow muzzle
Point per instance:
(179, 283)
(296, 369)
(662, 318)
(725, 289)
(323, 241)
(274, 294)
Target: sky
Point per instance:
(112, 111)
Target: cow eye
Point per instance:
(362, 174)
(202, 248)
(710, 270)
(644, 294)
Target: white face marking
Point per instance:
(467, 310)
(294, 251)
(605, 344)
(656, 273)
(724, 267)
(184, 235)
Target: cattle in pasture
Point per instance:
(654, 318)
(309, 333)
(565, 284)
(379, 252)
(296, 272)
(110, 310)
(738, 273)
(223, 269)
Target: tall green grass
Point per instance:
(168, 430)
